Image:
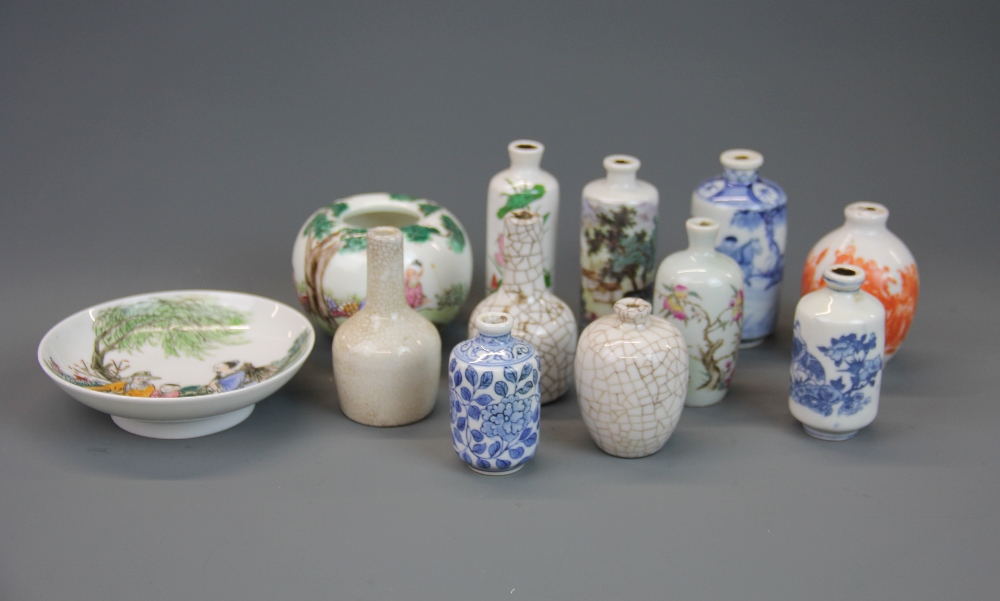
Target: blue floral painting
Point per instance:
(494, 414)
(846, 391)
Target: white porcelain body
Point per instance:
(700, 291)
(631, 374)
(386, 357)
(835, 330)
(622, 264)
(523, 185)
(540, 317)
(890, 270)
(751, 212)
(271, 330)
(329, 257)
(495, 402)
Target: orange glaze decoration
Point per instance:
(890, 271)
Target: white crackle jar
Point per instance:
(386, 357)
(753, 227)
(495, 404)
(890, 270)
(540, 317)
(328, 259)
(617, 238)
(524, 185)
(700, 291)
(837, 355)
(631, 379)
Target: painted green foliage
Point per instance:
(631, 249)
(428, 209)
(456, 238)
(419, 233)
(452, 297)
(180, 326)
(521, 198)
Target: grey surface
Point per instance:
(153, 146)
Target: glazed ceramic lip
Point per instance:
(621, 163)
(526, 147)
(494, 323)
(742, 159)
(843, 278)
(633, 310)
(70, 331)
(379, 212)
(866, 213)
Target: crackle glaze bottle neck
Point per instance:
(633, 313)
(524, 267)
(740, 165)
(385, 292)
(525, 155)
(867, 217)
(702, 233)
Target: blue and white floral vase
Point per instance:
(753, 218)
(495, 397)
(837, 356)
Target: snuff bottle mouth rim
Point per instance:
(494, 323)
(843, 277)
(866, 212)
(633, 310)
(742, 159)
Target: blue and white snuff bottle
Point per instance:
(837, 356)
(495, 397)
(752, 214)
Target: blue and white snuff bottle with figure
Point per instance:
(838, 351)
(495, 397)
(753, 218)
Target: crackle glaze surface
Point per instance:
(751, 212)
(524, 185)
(387, 357)
(890, 270)
(631, 379)
(540, 317)
(617, 238)
(495, 401)
(700, 291)
(329, 257)
(837, 356)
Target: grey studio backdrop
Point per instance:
(156, 146)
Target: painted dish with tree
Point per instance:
(177, 364)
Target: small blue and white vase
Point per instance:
(751, 212)
(495, 398)
(837, 356)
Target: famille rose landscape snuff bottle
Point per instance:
(631, 378)
(540, 317)
(387, 357)
(837, 356)
(890, 271)
(700, 291)
(617, 238)
(495, 402)
(752, 231)
(524, 185)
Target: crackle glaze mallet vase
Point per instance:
(890, 270)
(495, 402)
(523, 185)
(617, 238)
(752, 230)
(631, 378)
(700, 291)
(387, 357)
(837, 355)
(540, 317)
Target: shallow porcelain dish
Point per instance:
(177, 364)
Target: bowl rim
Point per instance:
(292, 368)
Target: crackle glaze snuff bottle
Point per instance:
(631, 378)
(540, 317)
(753, 226)
(495, 402)
(524, 185)
(837, 356)
(617, 238)
(386, 357)
(890, 271)
(700, 291)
